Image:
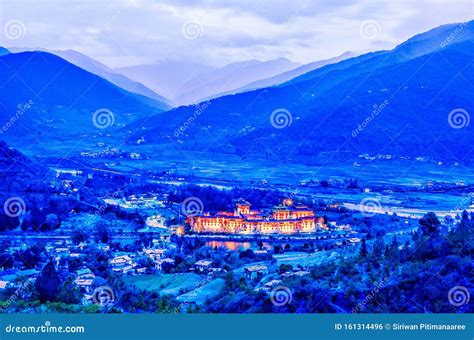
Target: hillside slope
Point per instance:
(402, 98)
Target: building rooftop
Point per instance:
(85, 271)
(272, 283)
(256, 268)
(203, 263)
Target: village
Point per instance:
(184, 260)
(166, 240)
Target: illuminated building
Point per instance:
(283, 219)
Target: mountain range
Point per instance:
(53, 96)
(404, 98)
(188, 83)
(166, 77)
(231, 78)
(288, 75)
(103, 71)
(412, 101)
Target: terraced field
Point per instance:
(166, 284)
(200, 294)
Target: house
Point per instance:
(271, 284)
(60, 253)
(298, 273)
(166, 236)
(85, 273)
(177, 229)
(202, 266)
(84, 279)
(353, 241)
(122, 264)
(260, 252)
(103, 247)
(5, 284)
(27, 273)
(255, 271)
(10, 276)
(120, 261)
(142, 270)
(154, 254)
(156, 221)
(85, 284)
(216, 271)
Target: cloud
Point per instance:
(126, 32)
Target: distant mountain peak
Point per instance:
(191, 82)
(3, 51)
(63, 98)
(408, 92)
(96, 67)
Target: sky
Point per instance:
(130, 32)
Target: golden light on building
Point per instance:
(283, 219)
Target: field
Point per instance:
(200, 294)
(166, 284)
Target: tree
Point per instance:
(363, 249)
(79, 236)
(69, 293)
(47, 283)
(102, 232)
(285, 268)
(51, 222)
(429, 224)
(392, 252)
(166, 267)
(30, 257)
(8, 222)
(379, 247)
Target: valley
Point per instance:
(179, 187)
